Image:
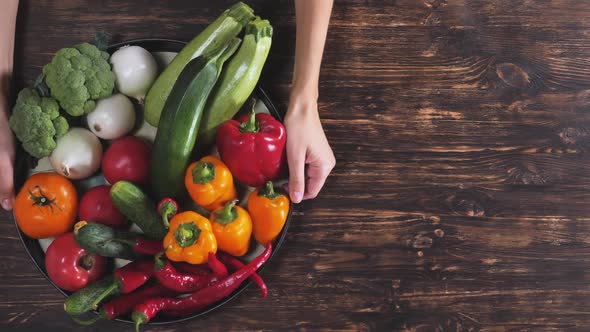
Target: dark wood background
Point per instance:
(460, 198)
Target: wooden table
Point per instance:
(460, 197)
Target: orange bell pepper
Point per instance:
(210, 183)
(190, 238)
(232, 227)
(269, 210)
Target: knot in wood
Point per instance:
(435, 3)
(526, 173)
(513, 75)
(469, 202)
(573, 135)
(422, 242)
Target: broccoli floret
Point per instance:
(36, 122)
(78, 76)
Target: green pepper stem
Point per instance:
(187, 234)
(250, 125)
(268, 191)
(227, 213)
(203, 172)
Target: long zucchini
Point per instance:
(220, 32)
(139, 208)
(180, 121)
(237, 81)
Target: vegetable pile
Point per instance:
(165, 210)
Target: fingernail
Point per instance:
(6, 204)
(297, 196)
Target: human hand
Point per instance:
(309, 154)
(6, 158)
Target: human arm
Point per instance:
(7, 30)
(309, 154)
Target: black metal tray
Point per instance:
(22, 170)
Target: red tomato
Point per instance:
(128, 158)
(70, 267)
(96, 205)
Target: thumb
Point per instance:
(296, 160)
(6, 184)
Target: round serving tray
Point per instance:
(164, 50)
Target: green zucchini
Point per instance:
(180, 121)
(137, 206)
(220, 32)
(237, 81)
(106, 241)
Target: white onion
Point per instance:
(135, 70)
(113, 117)
(77, 155)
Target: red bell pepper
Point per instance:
(253, 148)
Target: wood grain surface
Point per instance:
(460, 197)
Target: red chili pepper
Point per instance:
(235, 263)
(253, 150)
(145, 246)
(216, 266)
(196, 269)
(198, 300)
(179, 282)
(167, 208)
(125, 303)
(134, 275)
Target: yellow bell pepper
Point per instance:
(232, 227)
(190, 238)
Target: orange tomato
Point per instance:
(46, 205)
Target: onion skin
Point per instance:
(112, 118)
(78, 154)
(135, 71)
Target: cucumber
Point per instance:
(105, 241)
(237, 81)
(220, 32)
(137, 206)
(84, 300)
(180, 120)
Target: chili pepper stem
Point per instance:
(115, 285)
(227, 214)
(139, 318)
(250, 126)
(203, 172)
(268, 191)
(167, 208)
(159, 262)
